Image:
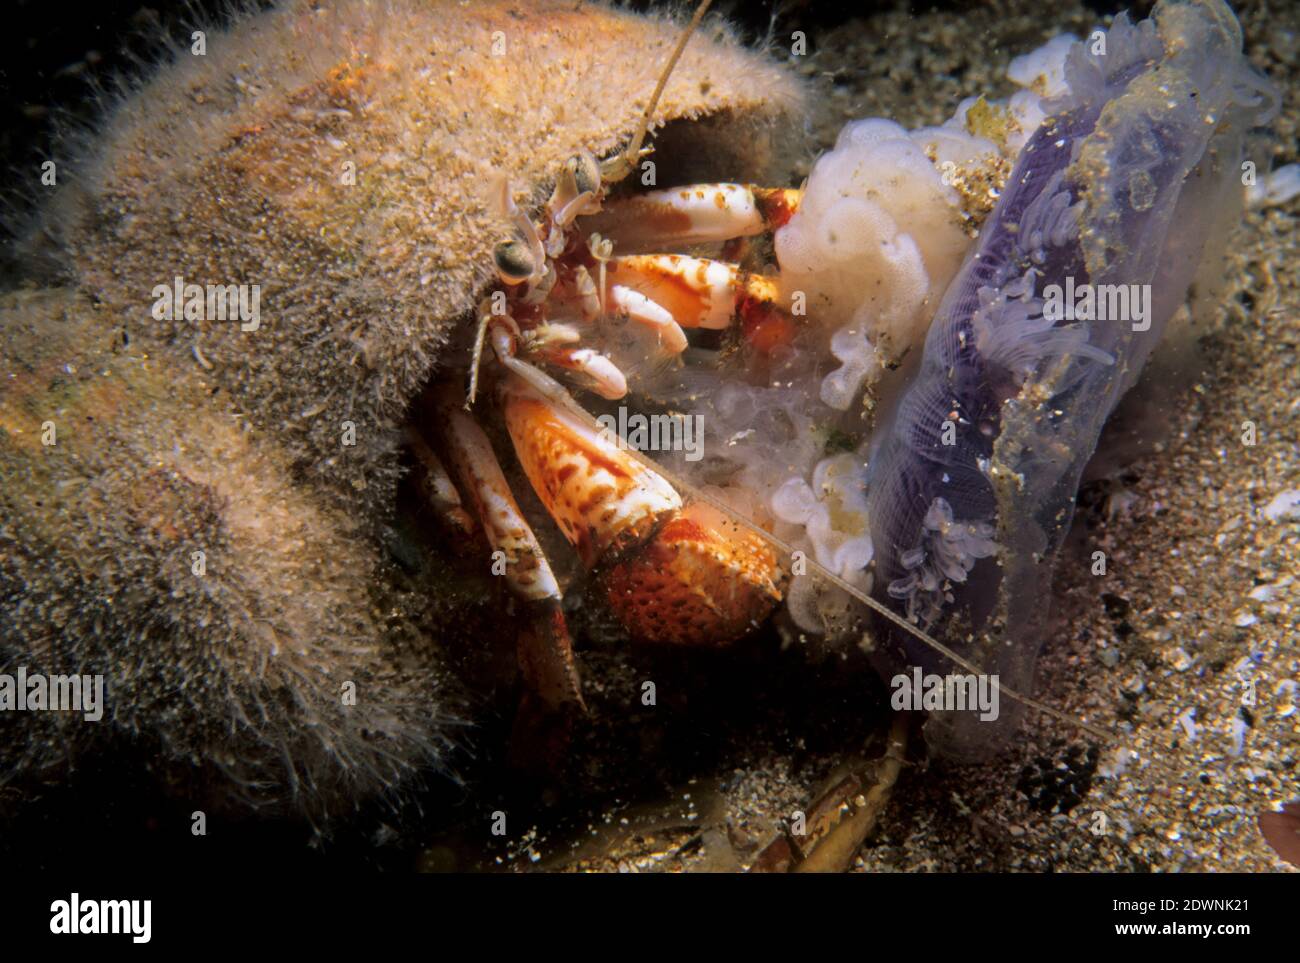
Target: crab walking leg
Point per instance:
(545, 649)
(654, 316)
(601, 374)
(559, 343)
(584, 298)
(703, 293)
(695, 214)
(438, 490)
(842, 817)
(697, 292)
(675, 574)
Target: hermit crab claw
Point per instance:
(671, 573)
(701, 580)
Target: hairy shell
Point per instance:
(232, 167)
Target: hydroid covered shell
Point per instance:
(148, 538)
(341, 157)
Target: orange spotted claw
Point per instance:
(700, 580)
(672, 574)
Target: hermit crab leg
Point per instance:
(696, 214)
(839, 820)
(644, 311)
(600, 498)
(698, 292)
(545, 649)
(439, 490)
(597, 371)
(582, 295)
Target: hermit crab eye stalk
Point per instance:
(514, 262)
(577, 190)
(586, 172)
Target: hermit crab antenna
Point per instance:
(623, 164)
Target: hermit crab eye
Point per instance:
(514, 261)
(586, 172)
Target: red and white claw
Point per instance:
(702, 580)
(703, 293)
(602, 499)
(595, 370)
(672, 574)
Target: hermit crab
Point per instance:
(1084, 174)
(673, 573)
